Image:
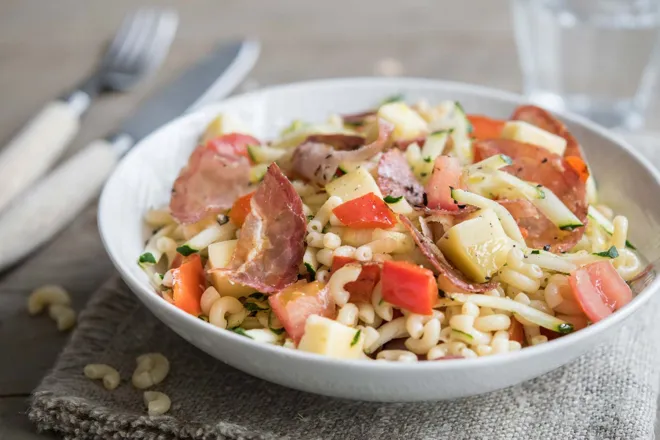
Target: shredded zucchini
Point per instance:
(604, 223)
(529, 313)
(207, 236)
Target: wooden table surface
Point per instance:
(47, 46)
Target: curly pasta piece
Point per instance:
(152, 369)
(106, 373)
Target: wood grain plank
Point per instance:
(29, 345)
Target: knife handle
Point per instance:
(36, 147)
(55, 201)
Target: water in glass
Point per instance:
(598, 58)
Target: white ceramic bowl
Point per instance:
(144, 178)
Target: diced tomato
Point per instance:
(484, 127)
(233, 144)
(241, 209)
(409, 286)
(599, 289)
(296, 303)
(579, 166)
(366, 212)
(188, 284)
(516, 331)
(446, 175)
(362, 288)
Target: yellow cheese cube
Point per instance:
(478, 247)
(219, 257)
(223, 124)
(353, 185)
(408, 124)
(330, 338)
(524, 132)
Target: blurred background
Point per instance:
(47, 47)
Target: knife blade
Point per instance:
(54, 202)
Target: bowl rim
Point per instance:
(146, 294)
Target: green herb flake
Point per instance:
(185, 250)
(240, 331)
(427, 159)
(310, 218)
(277, 331)
(565, 328)
(310, 270)
(380, 303)
(570, 227)
(536, 252)
(390, 199)
(252, 307)
(147, 258)
(356, 338)
(629, 245)
(394, 98)
(610, 253)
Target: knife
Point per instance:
(56, 200)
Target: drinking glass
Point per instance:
(598, 58)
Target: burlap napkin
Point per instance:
(608, 394)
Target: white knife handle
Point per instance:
(54, 202)
(36, 148)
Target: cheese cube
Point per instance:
(353, 185)
(219, 257)
(478, 247)
(223, 124)
(524, 132)
(408, 124)
(330, 338)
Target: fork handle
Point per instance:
(36, 147)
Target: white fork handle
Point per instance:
(36, 148)
(54, 202)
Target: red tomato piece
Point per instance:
(188, 284)
(233, 144)
(294, 304)
(446, 175)
(409, 286)
(365, 212)
(599, 289)
(362, 288)
(241, 209)
(484, 127)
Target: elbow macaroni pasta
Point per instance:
(531, 277)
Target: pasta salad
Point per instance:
(403, 233)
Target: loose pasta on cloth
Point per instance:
(433, 233)
(618, 379)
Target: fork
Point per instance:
(137, 49)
